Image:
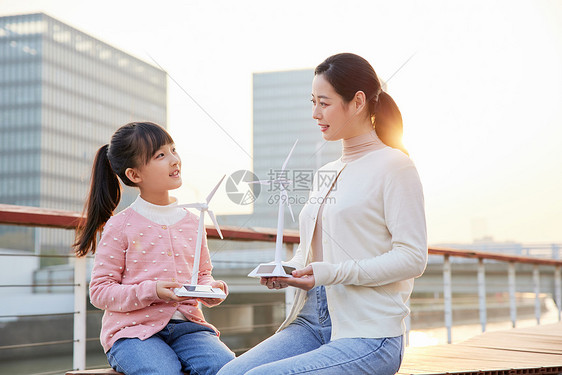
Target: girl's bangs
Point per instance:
(150, 138)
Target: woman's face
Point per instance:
(333, 114)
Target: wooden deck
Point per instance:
(519, 351)
(529, 350)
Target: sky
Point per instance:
(479, 84)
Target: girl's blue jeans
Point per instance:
(304, 347)
(180, 346)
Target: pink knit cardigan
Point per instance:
(132, 255)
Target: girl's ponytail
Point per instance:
(131, 146)
(388, 122)
(103, 198)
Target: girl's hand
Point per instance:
(303, 279)
(165, 291)
(214, 301)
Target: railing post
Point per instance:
(482, 293)
(447, 297)
(80, 287)
(558, 290)
(537, 287)
(290, 291)
(408, 324)
(511, 287)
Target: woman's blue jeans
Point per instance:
(180, 346)
(304, 347)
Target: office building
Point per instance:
(282, 113)
(62, 94)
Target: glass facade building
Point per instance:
(282, 113)
(62, 94)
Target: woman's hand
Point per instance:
(303, 279)
(165, 291)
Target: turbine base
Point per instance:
(199, 291)
(272, 270)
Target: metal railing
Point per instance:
(552, 265)
(38, 217)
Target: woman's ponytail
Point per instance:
(388, 122)
(103, 198)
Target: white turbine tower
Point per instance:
(277, 268)
(194, 290)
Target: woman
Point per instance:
(361, 249)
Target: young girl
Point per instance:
(145, 252)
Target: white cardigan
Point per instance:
(374, 242)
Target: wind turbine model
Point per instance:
(194, 290)
(277, 269)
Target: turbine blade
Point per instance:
(289, 156)
(285, 198)
(214, 190)
(291, 211)
(214, 219)
(262, 182)
(192, 205)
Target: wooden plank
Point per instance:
(38, 217)
(253, 234)
(476, 360)
(529, 350)
(492, 256)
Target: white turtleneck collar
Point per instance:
(164, 215)
(361, 145)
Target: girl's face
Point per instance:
(161, 174)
